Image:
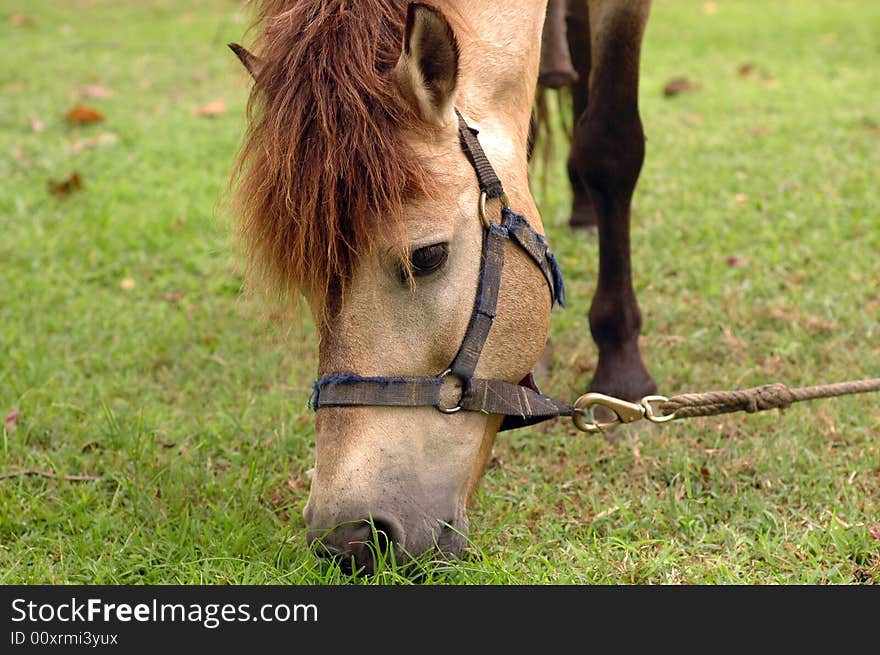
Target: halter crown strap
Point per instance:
(486, 177)
(521, 405)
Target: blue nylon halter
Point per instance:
(521, 405)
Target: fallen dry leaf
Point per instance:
(709, 8)
(745, 70)
(36, 124)
(93, 142)
(606, 512)
(82, 115)
(127, 283)
(96, 91)
(842, 522)
(816, 325)
(736, 262)
(73, 182)
(20, 156)
(174, 296)
(12, 419)
(740, 198)
(679, 85)
(298, 484)
(870, 125)
(213, 108)
(20, 20)
(874, 532)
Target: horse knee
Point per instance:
(608, 153)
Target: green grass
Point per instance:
(192, 411)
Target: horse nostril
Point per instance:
(345, 539)
(384, 535)
(357, 544)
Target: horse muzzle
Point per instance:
(379, 539)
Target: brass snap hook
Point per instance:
(624, 412)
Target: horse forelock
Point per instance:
(324, 168)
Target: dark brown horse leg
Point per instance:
(583, 214)
(606, 158)
(556, 67)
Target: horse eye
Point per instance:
(426, 260)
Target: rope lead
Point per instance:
(759, 399)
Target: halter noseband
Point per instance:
(520, 404)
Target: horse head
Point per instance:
(355, 192)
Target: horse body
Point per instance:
(354, 190)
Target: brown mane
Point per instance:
(323, 166)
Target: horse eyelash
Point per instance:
(438, 252)
(410, 270)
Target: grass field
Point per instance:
(127, 354)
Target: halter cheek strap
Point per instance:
(520, 404)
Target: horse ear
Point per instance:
(250, 60)
(427, 71)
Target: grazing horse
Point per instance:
(370, 182)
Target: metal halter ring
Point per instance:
(649, 409)
(505, 203)
(451, 410)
